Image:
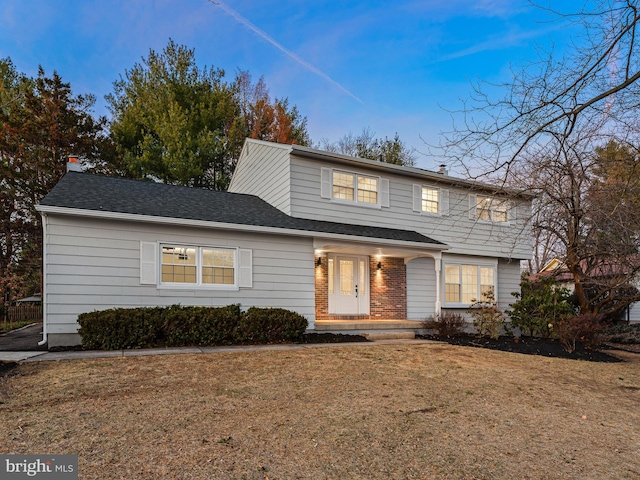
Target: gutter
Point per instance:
(44, 209)
(44, 278)
(414, 172)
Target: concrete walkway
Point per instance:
(75, 355)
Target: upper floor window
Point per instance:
(198, 265)
(354, 187)
(490, 209)
(367, 189)
(431, 200)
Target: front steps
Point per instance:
(387, 335)
(371, 329)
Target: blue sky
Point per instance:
(391, 66)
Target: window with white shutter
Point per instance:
(487, 208)
(356, 188)
(194, 266)
(430, 200)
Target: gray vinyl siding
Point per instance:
(263, 170)
(95, 264)
(508, 282)
(464, 235)
(421, 288)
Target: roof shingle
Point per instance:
(110, 194)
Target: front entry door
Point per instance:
(349, 285)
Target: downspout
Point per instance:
(44, 279)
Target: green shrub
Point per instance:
(270, 325)
(539, 304)
(204, 326)
(174, 326)
(488, 319)
(448, 324)
(118, 328)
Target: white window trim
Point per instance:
(198, 285)
(459, 264)
(510, 210)
(327, 188)
(443, 200)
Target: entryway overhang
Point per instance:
(380, 248)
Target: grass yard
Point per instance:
(9, 326)
(430, 411)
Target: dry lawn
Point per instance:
(358, 412)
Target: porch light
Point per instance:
(379, 265)
(319, 262)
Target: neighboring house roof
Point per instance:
(552, 265)
(32, 299)
(558, 269)
(97, 193)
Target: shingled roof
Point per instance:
(109, 194)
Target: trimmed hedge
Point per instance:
(264, 325)
(120, 328)
(202, 326)
(175, 326)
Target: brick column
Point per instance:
(322, 287)
(388, 288)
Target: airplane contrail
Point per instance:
(266, 37)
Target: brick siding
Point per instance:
(388, 290)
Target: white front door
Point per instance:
(348, 285)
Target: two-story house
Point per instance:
(340, 240)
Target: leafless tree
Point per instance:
(546, 135)
(365, 145)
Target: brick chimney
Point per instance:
(73, 165)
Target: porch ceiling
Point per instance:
(374, 250)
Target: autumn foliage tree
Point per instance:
(266, 120)
(41, 123)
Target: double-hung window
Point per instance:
(491, 209)
(430, 200)
(466, 284)
(357, 188)
(204, 266)
(367, 189)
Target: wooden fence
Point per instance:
(24, 313)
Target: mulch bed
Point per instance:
(525, 345)
(331, 338)
(546, 347)
(6, 367)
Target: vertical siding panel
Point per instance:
(508, 281)
(264, 172)
(421, 288)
